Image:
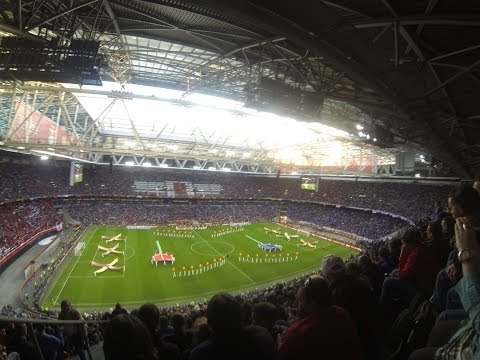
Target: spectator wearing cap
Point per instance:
(354, 294)
(324, 330)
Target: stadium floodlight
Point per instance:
(51, 149)
(359, 127)
(374, 139)
(361, 134)
(82, 151)
(368, 136)
(212, 168)
(163, 165)
(226, 169)
(129, 163)
(197, 167)
(21, 147)
(44, 157)
(147, 164)
(418, 175)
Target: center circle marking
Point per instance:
(212, 253)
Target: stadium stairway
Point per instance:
(67, 219)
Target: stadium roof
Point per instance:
(407, 72)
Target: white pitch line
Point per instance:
(95, 277)
(124, 254)
(73, 268)
(240, 271)
(237, 288)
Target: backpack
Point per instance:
(412, 327)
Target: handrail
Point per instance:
(11, 319)
(31, 322)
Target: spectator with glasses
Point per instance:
(324, 330)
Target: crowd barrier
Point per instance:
(31, 322)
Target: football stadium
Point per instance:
(214, 179)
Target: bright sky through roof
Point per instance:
(210, 120)
(205, 116)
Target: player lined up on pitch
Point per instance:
(227, 231)
(174, 233)
(267, 258)
(199, 269)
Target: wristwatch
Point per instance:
(465, 255)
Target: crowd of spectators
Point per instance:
(412, 201)
(366, 224)
(19, 221)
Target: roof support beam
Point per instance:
(61, 14)
(461, 51)
(452, 78)
(420, 20)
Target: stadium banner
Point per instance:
(20, 250)
(29, 125)
(141, 227)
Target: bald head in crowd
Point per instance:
(476, 185)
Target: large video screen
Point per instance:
(76, 173)
(309, 184)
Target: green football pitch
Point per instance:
(197, 273)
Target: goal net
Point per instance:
(79, 248)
